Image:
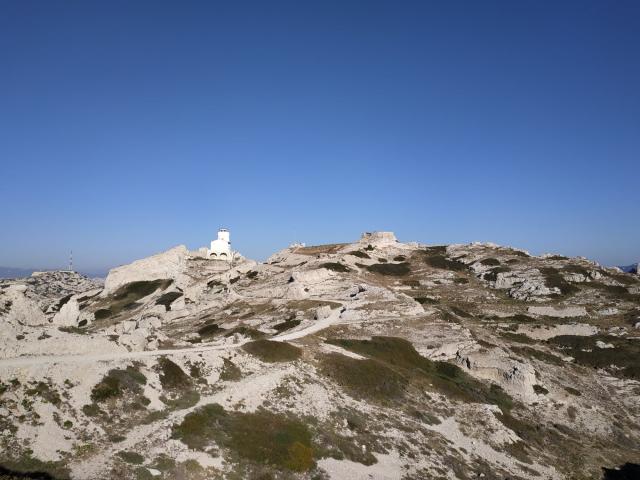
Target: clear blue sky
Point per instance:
(129, 127)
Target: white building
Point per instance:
(221, 247)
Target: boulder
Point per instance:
(68, 314)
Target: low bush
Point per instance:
(492, 275)
(575, 269)
(246, 331)
(435, 250)
(230, 371)
(490, 262)
(335, 266)
(624, 357)
(171, 375)
(261, 437)
(125, 297)
(210, 329)
(426, 300)
(131, 457)
(117, 382)
(443, 263)
(400, 356)
(368, 378)
(540, 390)
(390, 269)
(166, 299)
(553, 279)
(359, 254)
(270, 351)
(537, 354)
(287, 325)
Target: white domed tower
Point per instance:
(221, 247)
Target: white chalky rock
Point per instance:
(514, 376)
(558, 312)
(170, 264)
(601, 344)
(23, 311)
(322, 312)
(68, 314)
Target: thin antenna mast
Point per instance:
(71, 260)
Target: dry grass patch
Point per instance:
(270, 351)
(283, 442)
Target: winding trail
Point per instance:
(26, 361)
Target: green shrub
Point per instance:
(335, 266)
(399, 355)
(270, 351)
(125, 297)
(540, 390)
(459, 312)
(116, 382)
(575, 269)
(71, 329)
(492, 275)
(102, 313)
(171, 375)
(435, 250)
(230, 371)
(399, 258)
(443, 263)
(261, 437)
(251, 274)
(517, 337)
(368, 378)
(166, 299)
(287, 325)
(209, 330)
(538, 354)
(390, 269)
(182, 399)
(45, 391)
(426, 300)
(573, 391)
(625, 356)
(490, 262)
(359, 254)
(553, 279)
(246, 331)
(383, 260)
(131, 457)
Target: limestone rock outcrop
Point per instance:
(166, 265)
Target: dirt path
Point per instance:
(332, 319)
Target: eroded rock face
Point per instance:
(170, 265)
(513, 376)
(21, 310)
(68, 314)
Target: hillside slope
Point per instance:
(373, 359)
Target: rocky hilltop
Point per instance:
(368, 360)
